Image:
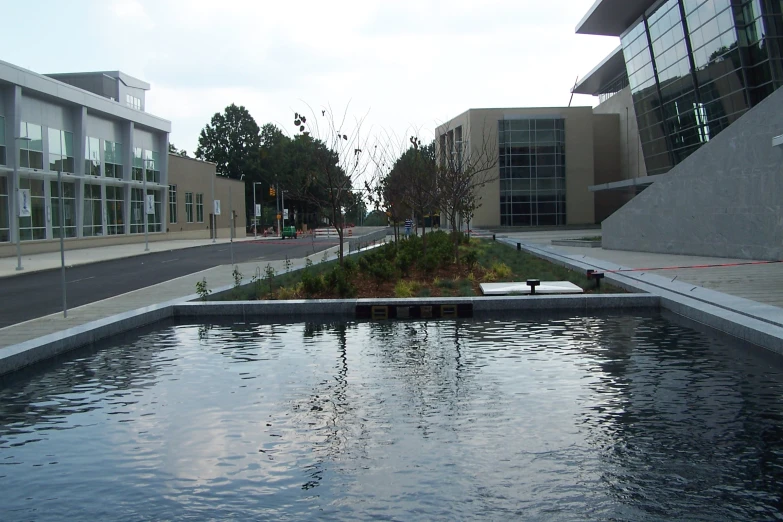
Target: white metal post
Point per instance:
(15, 204)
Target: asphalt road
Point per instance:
(37, 294)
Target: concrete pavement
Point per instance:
(760, 283)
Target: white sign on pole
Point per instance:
(258, 210)
(217, 207)
(285, 213)
(25, 209)
(150, 203)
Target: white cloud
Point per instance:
(409, 62)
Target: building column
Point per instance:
(127, 172)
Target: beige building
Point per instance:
(544, 161)
(190, 200)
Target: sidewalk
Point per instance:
(182, 288)
(51, 260)
(756, 283)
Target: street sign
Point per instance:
(285, 213)
(24, 203)
(150, 204)
(278, 217)
(258, 210)
(217, 207)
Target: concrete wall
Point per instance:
(191, 175)
(726, 199)
(482, 126)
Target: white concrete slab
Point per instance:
(546, 287)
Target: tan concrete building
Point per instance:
(546, 158)
(192, 184)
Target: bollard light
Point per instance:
(597, 276)
(519, 246)
(533, 283)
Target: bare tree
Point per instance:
(464, 168)
(338, 161)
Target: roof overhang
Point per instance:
(610, 68)
(639, 183)
(612, 17)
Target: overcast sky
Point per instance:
(406, 63)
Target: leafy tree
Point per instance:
(231, 140)
(180, 152)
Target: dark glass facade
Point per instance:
(532, 172)
(695, 66)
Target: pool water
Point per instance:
(569, 418)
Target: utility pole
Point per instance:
(277, 204)
(144, 189)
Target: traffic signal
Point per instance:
(271, 191)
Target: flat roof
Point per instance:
(48, 87)
(644, 181)
(610, 68)
(127, 79)
(612, 17)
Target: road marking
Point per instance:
(169, 261)
(83, 279)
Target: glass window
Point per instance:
(137, 209)
(93, 211)
(189, 207)
(533, 167)
(30, 146)
(68, 202)
(92, 151)
(138, 165)
(2, 143)
(115, 215)
(199, 208)
(172, 203)
(61, 151)
(5, 232)
(112, 159)
(152, 166)
(33, 227)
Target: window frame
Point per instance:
(173, 204)
(188, 207)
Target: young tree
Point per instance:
(338, 159)
(464, 168)
(231, 140)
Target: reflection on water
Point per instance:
(573, 418)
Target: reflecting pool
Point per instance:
(637, 417)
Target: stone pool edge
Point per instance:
(746, 320)
(19, 356)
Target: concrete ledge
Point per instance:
(346, 308)
(18, 356)
(752, 322)
(576, 243)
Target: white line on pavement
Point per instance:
(169, 261)
(82, 279)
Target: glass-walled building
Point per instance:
(104, 149)
(693, 67)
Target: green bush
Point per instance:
(338, 281)
(312, 283)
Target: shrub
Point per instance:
(338, 281)
(424, 292)
(287, 293)
(405, 289)
(501, 270)
(202, 290)
(470, 258)
(312, 283)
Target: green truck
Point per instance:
(290, 232)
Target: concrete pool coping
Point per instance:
(750, 321)
(30, 352)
